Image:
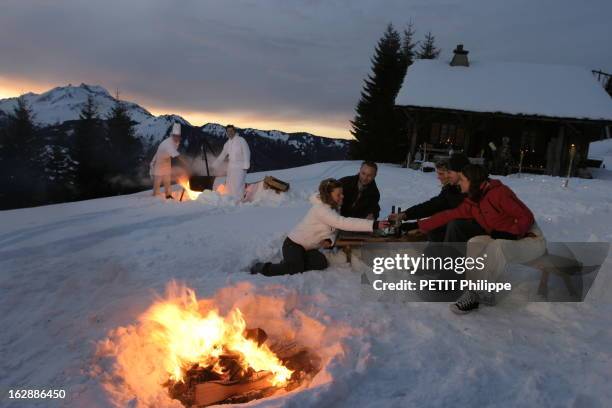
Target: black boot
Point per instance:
(467, 302)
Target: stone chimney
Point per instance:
(460, 59)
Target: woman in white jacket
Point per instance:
(316, 230)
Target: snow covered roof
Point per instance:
(508, 87)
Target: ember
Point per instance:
(221, 189)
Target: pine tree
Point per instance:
(125, 148)
(407, 51)
(91, 150)
(21, 160)
(60, 172)
(24, 132)
(428, 49)
(408, 55)
(375, 126)
(8, 173)
(89, 113)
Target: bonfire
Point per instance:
(203, 357)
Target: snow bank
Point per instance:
(602, 150)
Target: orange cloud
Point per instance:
(338, 128)
(11, 87)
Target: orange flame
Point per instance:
(221, 189)
(178, 331)
(184, 182)
(189, 337)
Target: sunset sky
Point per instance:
(286, 65)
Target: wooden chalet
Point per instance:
(533, 111)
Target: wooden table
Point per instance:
(348, 240)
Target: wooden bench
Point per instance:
(568, 268)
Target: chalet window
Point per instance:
(460, 136)
(529, 141)
(435, 134)
(534, 149)
(446, 134)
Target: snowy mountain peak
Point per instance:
(69, 91)
(174, 119)
(219, 130)
(155, 128)
(64, 103)
(96, 89)
(214, 128)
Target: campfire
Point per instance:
(199, 353)
(193, 195)
(211, 359)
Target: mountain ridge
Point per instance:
(64, 103)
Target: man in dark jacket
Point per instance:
(450, 196)
(361, 195)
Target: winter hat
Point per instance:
(458, 161)
(176, 129)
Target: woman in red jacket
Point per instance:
(490, 208)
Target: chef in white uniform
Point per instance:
(238, 154)
(161, 165)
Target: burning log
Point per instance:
(303, 362)
(213, 392)
(257, 335)
(227, 381)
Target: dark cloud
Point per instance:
(284, 59)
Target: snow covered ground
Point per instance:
(70, 273)
(602, 149)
